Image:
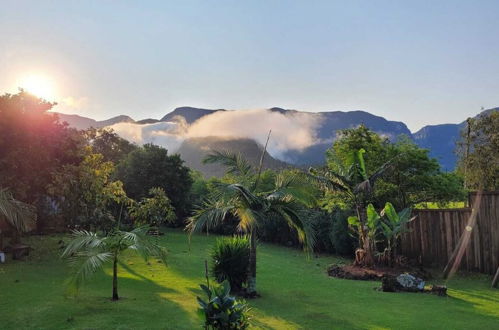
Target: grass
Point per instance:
(296, 293)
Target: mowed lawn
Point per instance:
(296, 294)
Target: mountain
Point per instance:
(190, 114)
(332, 122)
(193, 151)
(441, 140)
(80, 122)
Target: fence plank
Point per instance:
(435, 233)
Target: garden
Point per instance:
(101, 233)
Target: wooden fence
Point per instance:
(434, 235)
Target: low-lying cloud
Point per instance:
(290, 131)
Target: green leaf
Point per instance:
(353, 221)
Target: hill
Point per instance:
(194, 150)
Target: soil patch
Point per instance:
(351, 272)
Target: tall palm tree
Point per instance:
(89, 252)
(251, 207)
(351, 179)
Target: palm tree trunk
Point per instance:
(115, 278)
(251, 292)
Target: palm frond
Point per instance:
(209, 215)
(236, 164)
(292, 212)
(86, 264)
(20, 215)
(297, 185)
(248, 218)
(83, 240)
(140, 242)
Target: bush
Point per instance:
(342, 241)
(230, 257)
(222, 311)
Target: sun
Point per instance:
(38, 85)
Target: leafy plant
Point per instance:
(393, 226)
(230, 258)
(369, 228)
(89, 252)
(154, 210)
(222, 311)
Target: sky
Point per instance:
(420, 62)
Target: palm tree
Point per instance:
(89, 252)
(251, 207)
(350, 178)
(19, 215)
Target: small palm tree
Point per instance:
(251, 207)
(89, 252)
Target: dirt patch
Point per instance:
(351, 272)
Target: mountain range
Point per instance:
(439, 139)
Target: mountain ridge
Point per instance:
(440, 139)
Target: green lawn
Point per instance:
(296, 293)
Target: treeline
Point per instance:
(94, 179)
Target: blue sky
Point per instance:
(421, 62)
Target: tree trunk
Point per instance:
(115, 278)
(366, 244)
(251, 291)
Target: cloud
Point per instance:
(290, 131)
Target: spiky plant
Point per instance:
(89, 252)
(230, 257)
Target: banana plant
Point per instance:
(370, 228)
(393, 225)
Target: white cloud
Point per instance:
(293, 131)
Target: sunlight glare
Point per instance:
(38, 85)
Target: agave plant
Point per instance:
(89, 252)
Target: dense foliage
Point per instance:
(33, 146)
(154, 210)
(230, 261)
(150, 166)
(478, 150)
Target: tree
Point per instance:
(478, 151)
(243, 201)
(413, 177)
(350, 179)
(154, 210)
(150, 166)
(89, 252)
(33, 146)
(87, 196)
(106, 142)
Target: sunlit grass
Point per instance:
(296, 294)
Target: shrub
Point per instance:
(230, 257)
(222, 311)
(342, 240)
